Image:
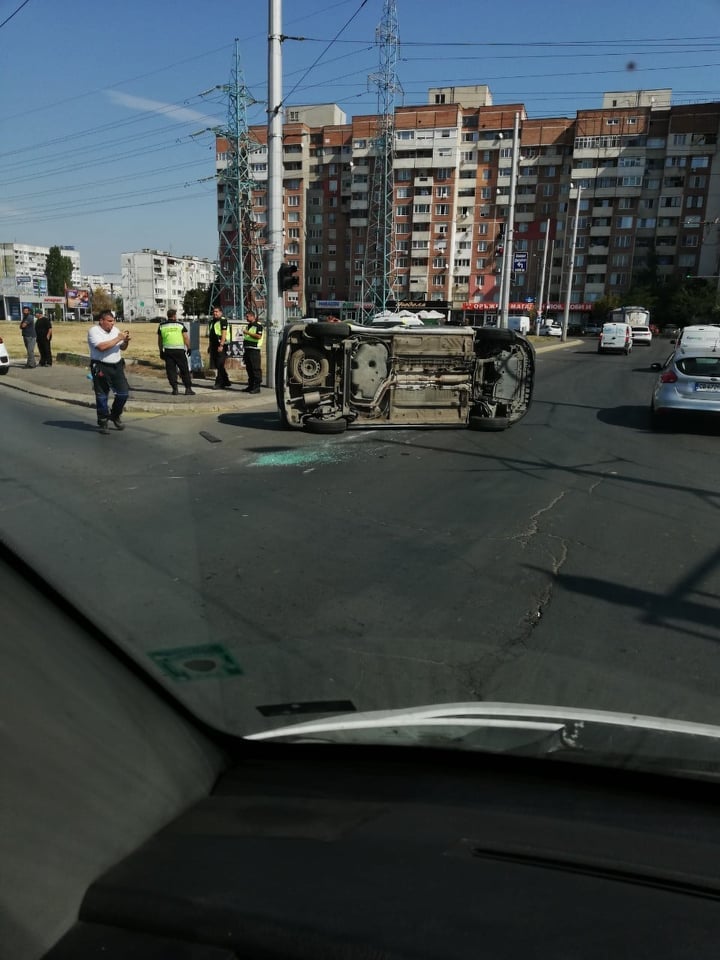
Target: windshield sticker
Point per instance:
(210, 661)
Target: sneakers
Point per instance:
(103, 426)
(117, 423)
(174, 391)
(189, 392)
(255, 390)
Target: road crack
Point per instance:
(526, 535)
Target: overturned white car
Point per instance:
(331, 375)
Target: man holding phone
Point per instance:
(107, 366)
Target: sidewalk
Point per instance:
(148, 394)
(68, 383)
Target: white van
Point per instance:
(699, 335)
(615, 337)
(520, 324)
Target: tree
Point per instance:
(119, 306)
(602, 307)
(101, 300)
(196, 302)
(58, 270)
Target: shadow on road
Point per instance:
(81, 425)
(632, 417)
(253, 420)
(701, 616)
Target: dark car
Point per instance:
(332, 375)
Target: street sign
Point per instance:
(520, 261)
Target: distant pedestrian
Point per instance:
(27, 328)
(174, 343)
(252, 342)
(44, 332)
(218, 331)
(108, 369)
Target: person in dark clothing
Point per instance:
(27, 328)
(252, 343)
(43, 332)
(218, 331)
(173, 343)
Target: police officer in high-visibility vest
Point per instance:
(174, 343)
(218, 333)
(252, 343)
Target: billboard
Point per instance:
(77, 299)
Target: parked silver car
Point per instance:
(689, 383)
(333, 375)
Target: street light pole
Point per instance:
(571, 267)
(275, 237)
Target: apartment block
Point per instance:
(640, 175)
(154, 281)
(23, 265)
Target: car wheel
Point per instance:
(489, 424)
(659, 421)
(323, 329)
(318, 425)
(494, 335)
(3, 370)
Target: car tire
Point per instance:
(3, 371)
(489, 424)
(324, 329)
(659, 423)
(493, 335)
(318, 425)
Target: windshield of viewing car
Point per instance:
(352, 531)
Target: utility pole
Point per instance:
(542, 276)
(275, 236)
(571, 266)
(379, 258)
(509, 230)
(240, 279)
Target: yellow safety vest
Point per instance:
(171, 333)
(254, 341)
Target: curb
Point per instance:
(179, 407)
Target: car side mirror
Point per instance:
(656, 366)
(673, 341)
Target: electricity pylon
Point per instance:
(379, 259)
(240, 279)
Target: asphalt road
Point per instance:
(572, 560)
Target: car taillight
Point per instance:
(669, 377)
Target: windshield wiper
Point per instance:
(623, 740)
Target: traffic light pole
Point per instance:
(275, 239)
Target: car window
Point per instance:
(700, 366)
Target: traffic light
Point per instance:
(287, 277)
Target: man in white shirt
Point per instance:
(108, 369)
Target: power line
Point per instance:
(8, 19)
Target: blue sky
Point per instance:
(106, 107)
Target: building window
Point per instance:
(442, 209)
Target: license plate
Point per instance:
(707, 387)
